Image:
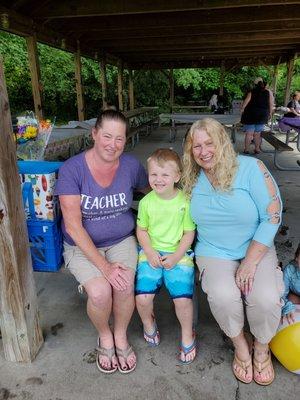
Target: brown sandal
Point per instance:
(125, 354)
(261, 366)
(244, 365)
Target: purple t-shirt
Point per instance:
(106, 212)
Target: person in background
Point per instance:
(236, 206)
(294, 106)
(256, 110)
(95, 190)
(165, 232)
(291, 296)
(213, 102)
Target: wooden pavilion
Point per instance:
(133, 35)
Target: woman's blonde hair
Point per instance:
(225, 166)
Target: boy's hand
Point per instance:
(169, 260)
(153, 258)
(290, 317)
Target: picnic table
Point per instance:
(228, 120)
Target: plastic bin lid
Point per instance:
(38, 167)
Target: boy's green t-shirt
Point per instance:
(165, 220)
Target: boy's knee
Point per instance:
(143, 300)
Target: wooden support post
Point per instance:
(289, 75)
(103, 82)
(275, 79)
(131, 90)
(222, 78)
(79, 88)
(171, 81)
(19, 317)
(120, 86)
(35, 74)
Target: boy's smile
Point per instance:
(162, 178)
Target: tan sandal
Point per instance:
(125, 354)
(261, 366)
(109, 353)
(244, 365)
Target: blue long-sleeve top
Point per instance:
(291, 278)
(228, 221)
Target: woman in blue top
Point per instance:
(236, 206)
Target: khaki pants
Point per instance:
(262, 305)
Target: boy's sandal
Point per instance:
(109, 353)
(259, 367)
(152, 339)
(125, 354)
(186, 350)
(244, 365)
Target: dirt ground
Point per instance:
(65, 367)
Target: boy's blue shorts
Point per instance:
(179, 280)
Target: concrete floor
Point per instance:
(65, 366)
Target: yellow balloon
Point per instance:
(285, 345)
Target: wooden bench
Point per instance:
(135, 131)
(279, 147)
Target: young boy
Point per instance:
(165, 232)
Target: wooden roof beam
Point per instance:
(77, 8)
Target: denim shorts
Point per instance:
(256, 128)
(179, 280)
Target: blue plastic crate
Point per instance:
(45, 238)
(38, 167)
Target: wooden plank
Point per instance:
(120, 87)
(131, 90)
(290, 71)
(222, 78)
(65, 9)
(79, 88)
(19, 317)
(171, 83)
(35, 75)
(275, 142)
(103, 82)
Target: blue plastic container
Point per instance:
(38, 167)
(45, 237)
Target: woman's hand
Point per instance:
(169, 260)
(116, 274)
(153, 257)
(244, 277)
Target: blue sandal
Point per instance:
(152, 339)
(187, 350)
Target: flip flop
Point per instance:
(244, 365)
(152, 337)
(109, 353)
(260, 366)
(187, 350)
(125, 354)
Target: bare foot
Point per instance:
(262, 369)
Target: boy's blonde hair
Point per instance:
(161, 156)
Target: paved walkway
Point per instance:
(65, 367)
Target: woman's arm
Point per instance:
(265, 194)
(114, 273)
(246, 102)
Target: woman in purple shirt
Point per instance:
(95, 189)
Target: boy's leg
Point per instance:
(184, 313)
(148, 283)
(179, 281)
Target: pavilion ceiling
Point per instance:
(162, 33)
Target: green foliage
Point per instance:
(151, 87)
